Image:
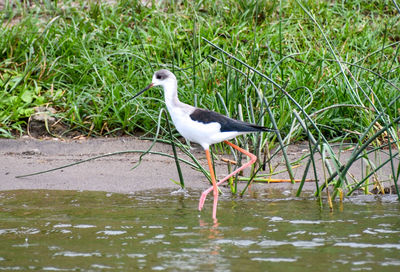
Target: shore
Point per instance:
(113, 174)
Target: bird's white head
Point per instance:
(163, 78)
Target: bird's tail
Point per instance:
(261, 128)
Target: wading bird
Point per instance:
(202, 126)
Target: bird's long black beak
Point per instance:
(142, 91)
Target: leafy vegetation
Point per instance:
(323, 71)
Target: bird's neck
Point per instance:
(171, 95)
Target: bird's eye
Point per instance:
(159, 76)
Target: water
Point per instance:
(158, 231)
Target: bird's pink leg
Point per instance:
(214, 183)
(253, 159)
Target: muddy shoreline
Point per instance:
(113, 174)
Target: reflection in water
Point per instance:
(212, 233)
(69, 231)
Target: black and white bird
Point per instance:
(202, 126)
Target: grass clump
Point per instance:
(97, 54)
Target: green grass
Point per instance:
(338, 60)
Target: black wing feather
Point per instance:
(227, 124)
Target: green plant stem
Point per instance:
(178, 167)
(103, 156)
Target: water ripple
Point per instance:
(77, 254)
(364, 245)
(112, 232)
(275, 260)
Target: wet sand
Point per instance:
(113, 174)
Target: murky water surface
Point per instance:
(87, 231)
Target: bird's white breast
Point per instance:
(201, 133)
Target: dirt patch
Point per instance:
(44, 124)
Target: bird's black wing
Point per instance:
(227, 124)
